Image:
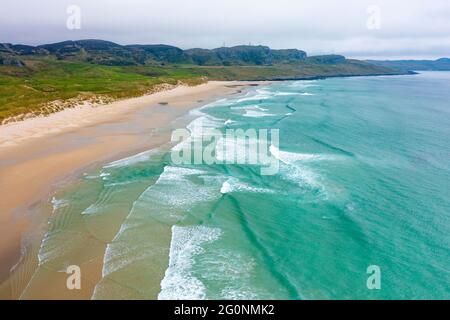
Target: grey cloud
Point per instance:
(409, 28)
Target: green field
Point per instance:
(27, 89)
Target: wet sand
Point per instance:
(40, 155)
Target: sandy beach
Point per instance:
(40, 155)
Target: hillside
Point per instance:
(112, 54)
(245, 55)
(442, 64)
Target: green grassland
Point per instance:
(26, 89)
(43, 79)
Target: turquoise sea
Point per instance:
(363, 180)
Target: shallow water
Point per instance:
(363, 180)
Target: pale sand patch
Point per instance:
(38, 154)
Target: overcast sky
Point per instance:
(405, 28)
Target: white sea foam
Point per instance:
(177, 173)
(218, 103)
(235, 185)
(48, 250)
(181, 192)
(59, 203)
(179, 282)
(177, 190)
(198, 111)
(140, 157)
(116, 184)
(89, 176)
(226, 187)
(56, 245)
(254, 111)
(291, 157)
(290, 93)
(197, 125)
(303, 84)
(251, 107)
(123, 250)
(104, 175)
(253, 97)
(118, 255)
(237, 292)
(294, 170)
(235, 271)
(166, 200)
(277, 93)
(302, 176)
(229, 121)
(198, 129)
(257, 114)
(93, 208)
(282, 93)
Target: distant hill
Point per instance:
(245, 55)
(326, 59)
(442, 64)
(109, 53)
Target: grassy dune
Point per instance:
(27, 89)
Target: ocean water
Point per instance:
(363, 180)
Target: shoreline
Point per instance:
(306, 78)
(40, 155)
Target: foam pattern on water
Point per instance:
(179, 282)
